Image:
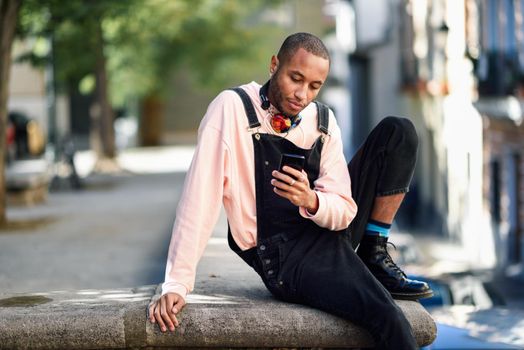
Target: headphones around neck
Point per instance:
(279, 122)
(263, 96)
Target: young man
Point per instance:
(298, 228)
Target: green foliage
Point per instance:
(144, 40)
(70, 25)
(207, 36)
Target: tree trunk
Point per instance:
(8, 18)
(105, 111)
(151, 121)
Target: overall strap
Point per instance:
(248, 106)
(323, 117)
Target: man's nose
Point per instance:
(301, 93)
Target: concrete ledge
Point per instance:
(116, 319)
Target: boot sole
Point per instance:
(412, 296)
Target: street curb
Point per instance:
(116, 319)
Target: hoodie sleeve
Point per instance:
(336, 207)
(200, 203)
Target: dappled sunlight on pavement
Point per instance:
(144, 160)
(499, 325)
(154, 160)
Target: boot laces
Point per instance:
(389, 261)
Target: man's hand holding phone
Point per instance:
(291, 182)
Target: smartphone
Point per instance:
(295, 161)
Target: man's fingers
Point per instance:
(292, 179)
(303, 178)
(172, 312)
(166, 315)
(171, 301)
(179, 305)
(163, 311)
(151, 312)
(281, 185)
(158, 316)
(284, 194)
(283, 177)
(294, 173)
(288, 184)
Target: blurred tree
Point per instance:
(8, 19)
(74, 30)
(215, 40)
(126, 50)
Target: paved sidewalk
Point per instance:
(114, 233)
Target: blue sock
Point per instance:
(377, 228)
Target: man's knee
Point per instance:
(403, 132)
(386, 321)
(393, 319)
(393, 331)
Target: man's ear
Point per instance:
(274, 64)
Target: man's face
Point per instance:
(296, 83)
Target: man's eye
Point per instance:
(295, 79)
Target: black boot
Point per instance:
(373, 252)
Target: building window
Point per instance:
(498, 67)
(495, 191)
(515, 208)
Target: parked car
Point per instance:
(29, 138)
(10, 142)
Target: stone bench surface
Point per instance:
(116, 319)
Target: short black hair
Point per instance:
(306, 41)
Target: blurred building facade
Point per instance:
(497, 50)
(455, 67)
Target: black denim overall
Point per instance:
(302, 262)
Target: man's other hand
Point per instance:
(164, 310)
